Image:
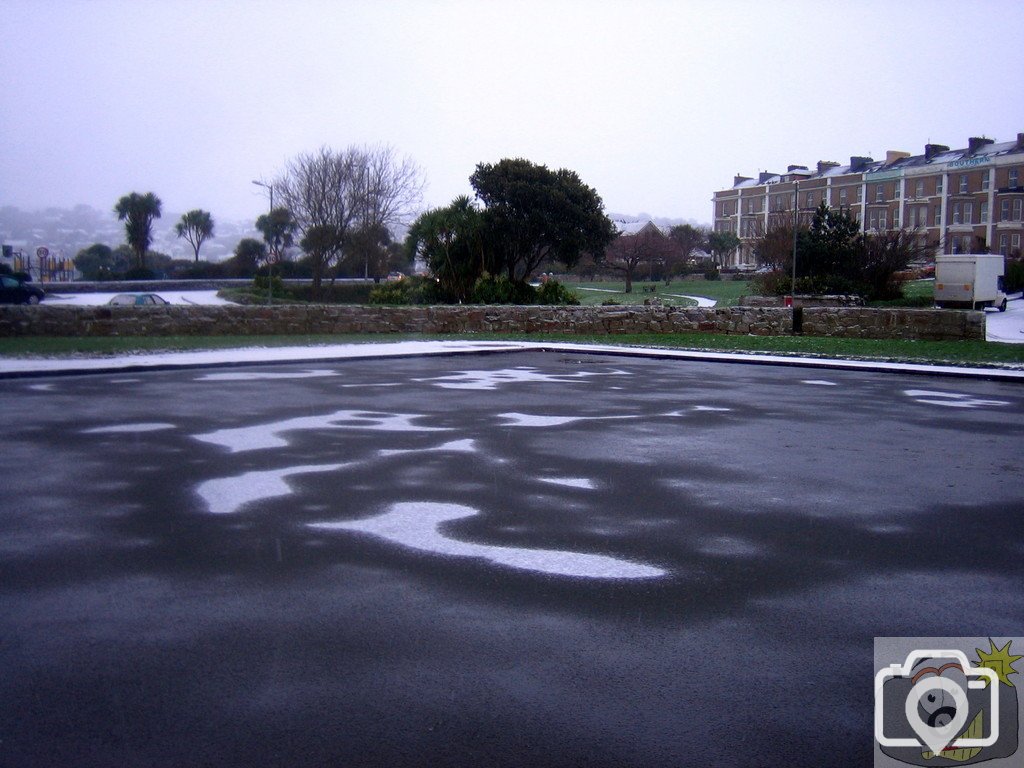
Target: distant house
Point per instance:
(629, 227)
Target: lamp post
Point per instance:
(270, 266)
(796, 218)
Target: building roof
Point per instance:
(982, 153)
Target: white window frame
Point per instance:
(984, 213)
(919, 190)
(957, 214)
(963, 183)
(1018, 209)
(969, 213)
(1013, 178)
(984, 182)
(879, 193)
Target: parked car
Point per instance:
(137, 300)
(15, 291)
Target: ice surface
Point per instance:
(417, 525)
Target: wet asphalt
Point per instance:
(792, 514)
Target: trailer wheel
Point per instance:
(1002, 305)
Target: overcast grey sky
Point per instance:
(654, 103)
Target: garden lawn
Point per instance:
(725, 292)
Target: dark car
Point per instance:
(137, 300)
(15, 291)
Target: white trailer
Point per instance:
(970, 281)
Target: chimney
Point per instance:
(931, 150)
(792, 168)
(764, 176)
(1020, 142)
(893, 155)
(824, 165)
(737, 180)
(975, 143)
(857, 164)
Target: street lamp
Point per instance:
(270, 266)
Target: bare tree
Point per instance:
(356, 189)
(627, 252)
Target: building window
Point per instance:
(881, 220)
(1018, 209)
(966, 241)
(879, 193)
(873, 220)
(750, 206)
(968, 213)
(984, 182)
(896, 219)
(938, 186)
(984, 213)
(957, 214)
(1012, 177)
(919, 191)
(1004, 244)
(842, 196)
(1004, 210)
(860, 194)
(936, 216)
(1014, 244)
(963, 183)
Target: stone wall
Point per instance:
(176, 320)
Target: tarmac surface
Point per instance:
(546, 558)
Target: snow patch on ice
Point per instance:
(487, 380)
(263, 375)
(262, 436)
(820, 383)
(416, 525)
(571, 482)
(951, 399)
(533, 420)
(225, 495)
(116, 429)
(453, 446)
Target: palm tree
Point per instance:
(137, 212)
(196, 227)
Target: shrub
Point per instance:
(339, 293)
(553, 292)
(275, 287)
(408, 290)
(712, 274)
(501, 290)
(140, 273)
